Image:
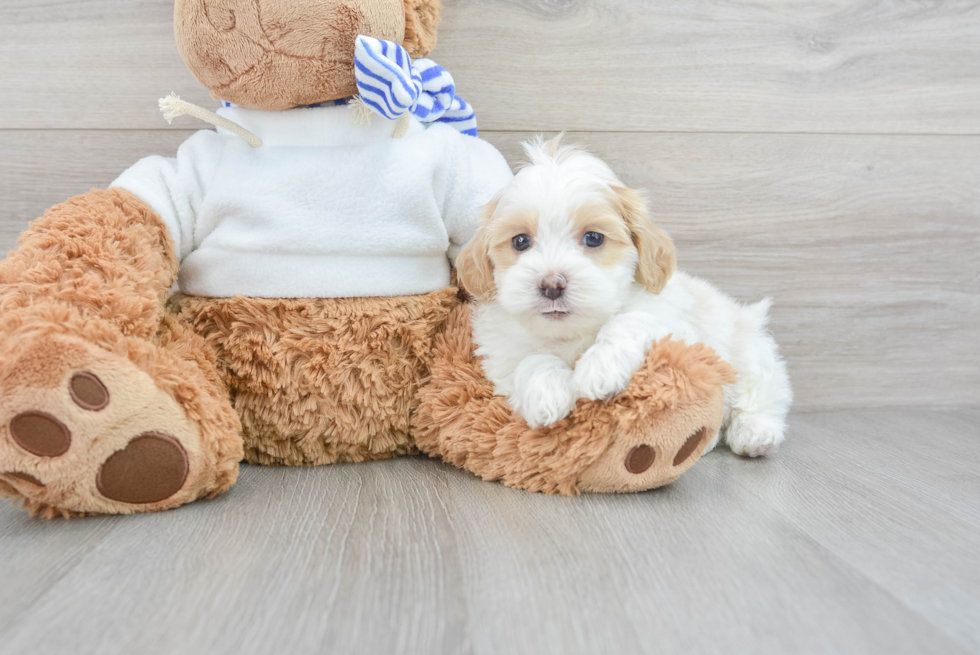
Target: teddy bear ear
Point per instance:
(421, 25)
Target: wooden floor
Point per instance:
(861, 536)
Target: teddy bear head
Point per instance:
(277, 54)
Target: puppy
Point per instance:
(575, 283)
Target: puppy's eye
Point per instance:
(593, 239)
(521, 242)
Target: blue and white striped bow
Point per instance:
(390, 83)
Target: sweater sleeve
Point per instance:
(477, 171)
(175, 186)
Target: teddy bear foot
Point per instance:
(86, 431)
(646, 460)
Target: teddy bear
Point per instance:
(280, 292)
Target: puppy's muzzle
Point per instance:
(552, 286)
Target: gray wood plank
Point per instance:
(895, 494)
(699, 567)
(869, 245)
(89, 64)
(356, 559)
(35, 559)
(412, 556)
(677, 65)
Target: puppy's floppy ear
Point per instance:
(658, 259)
(474, 268)
(421, 25)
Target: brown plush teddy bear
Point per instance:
(315, 295)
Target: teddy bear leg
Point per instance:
(107, 404)
(645, 454)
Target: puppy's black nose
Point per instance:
(552, 293)
(552, 286)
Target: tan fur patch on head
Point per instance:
(502, 230)
(474, 267)
(657, 256)
(604, 219)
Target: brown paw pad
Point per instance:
(40, 433)
(25, 477)
(640, 458)
(690, 445)
(151, 468)
(88, 392)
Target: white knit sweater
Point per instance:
(324, 209)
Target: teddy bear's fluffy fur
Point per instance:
(324, 380)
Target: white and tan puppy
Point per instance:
(575, 283)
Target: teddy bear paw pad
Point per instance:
(86, 431)
(691, 444)
(152, 467)
(88, 392)
(40, 433)
(640, 458)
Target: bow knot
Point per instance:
(391, 84)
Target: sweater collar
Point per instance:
(327, 124)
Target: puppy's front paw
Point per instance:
(549, 406)
(602, 372)
(543, 392)
(754, 435)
